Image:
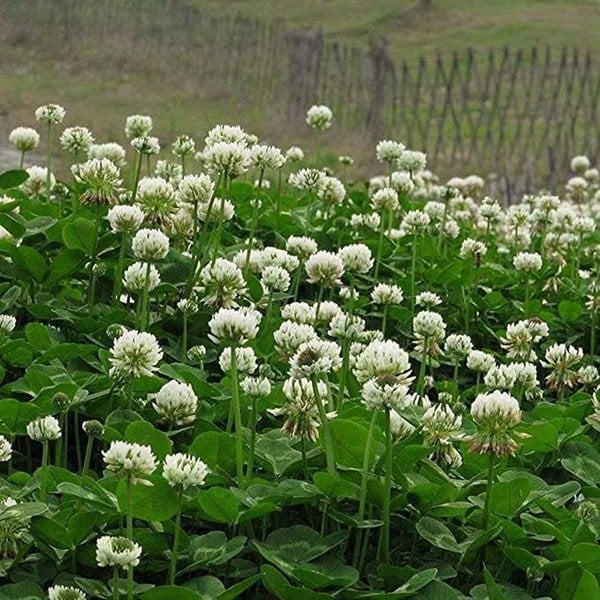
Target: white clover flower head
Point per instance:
(346, 327)
(346, 293)
(146, 144)
(65, 592)
(385, 392)
(319, 117)
(119, 552)
(134, 354)
(427, 299)
(429, 324)
(221, 283)
(76, 139)
(263, 156)
(184, 470)
(183, 145)
(102, 179)
(384, 293)
(130, 461)
(298, 312)
(528, 262)
(138, 126)
(440, 428)
(385, 199)
(123, 218)
(36, 182)
(524, 374)
(50, 113)
(258, 387)
(582, 224)
(496, 413)
(24, 139)
(479, 361)
(234, 326)
(301, 246)
(587, 376)
(383, 359)
(315, 357)
(371, 221)
(7, 324)
(226, 133)
(399, 426)
(389, 151)
(472, 248)
(309, 180)
(150, 245)
(276, 257)
(580, 164)
(562, 359)
(327, 311)
(140, 276)
(500, 377)
(156, 197)
(402, 182)
(356, 258)
(230, 158)
(196, 189)
(245, 360)
(176, 403)
(44, 429)
(458, 346)
(331, 190)
(412, 161)
(111, 150)
(5, 449)
(187, 306)
(294, 154)
(275, 279)
(197, 354)
(415, 222)
(169, 171)
(325, 268)
(345, 160)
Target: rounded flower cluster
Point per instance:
(111, 150)
(130, 461)
(389, 151)
(24, 139)
(356, 258)
(134, 354)
(138, 126)
(76, 139)
(119, 552)
(50, 113)
(44, 429)
(527, 262)
(319, 117)
(234, 326)
(315, 357)
(125, 219)
(384, 293)
(150, 245)
(65, 592)
(245, 360)
(176, 403)
(324, 268)
(184, 470)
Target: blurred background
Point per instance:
(507, 89)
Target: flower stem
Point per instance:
(88, 456)
(329, 456)
(252, 428)
(144, 300)
(130, 536)
(237, 415)
(365, 468)
(136, 178)
(116, 594)
(22, 161)
(119, 270)
(380, 245)
(45, 450)
(387, 494)
(488, 492)
(413, 269)
(174, 553)
(184, 338)
(384, 318)
(98, 222)
(49, 162)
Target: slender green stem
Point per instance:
(45, 451)
(343, 372)
(136, 178)
(329, 456)
(118, 283)
(98, 223)
(252, 427)
(297, 278)
(488, 492)
(250, 242)
(527, 292)
(49, 163)
(386, 308)
(175, 551)
(22, 161)
(593, 336)
(130, 536)
(260, 179)
(413, 269)
(365, 468)
(116, 595)
(319, 300)
(144, 300)
(88, 456)
(60, 443)
(422, 368)
(387, 492)
(237, 415)
(219, 233)
(184, 338)
(380, 244)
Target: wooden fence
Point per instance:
(518, 113)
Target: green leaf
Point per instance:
(66, 263)
(277, 454)
(349, 441)
(38, 336)
(494, 592)
(588, 556)
(24, 590)
(13, 178)
(277, 585)
(329, 571)
(51, 532)
(169, 592)
(216, 449)
(219, 505)
(577, 583)
(80, 234)
(16, 415)
(437, 534)
(509, 496)
(570, 310)
(142, 432)
(30, 263)
(239, 588)
(157, 502)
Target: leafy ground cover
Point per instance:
(228, 372)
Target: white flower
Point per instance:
(371, 221)
(64, 592)
(527, 261)
(356, 258)
(346, 326)
(156, 197)
(245, 360)
(44, 429)
(176, 403)
(120, 552)
(226, 133)
(230, 158)
(7, 324)
(5, 449)
(221, 283)
(428, 299)
(146, 144)
(266, 157)
(125, 219)
(412, 161)
(76, 139)
(129, 460)
(384, 293)
(275, 279)
(383, 359)
(111, 150)
(309, 180)
(319, 117)
(196, 189)
(414, 222)
(402, 182)
(471, 247)
(234, 326)
(183, 145)
(458, 346)
(588, 375)
(399, 426)
(385, 199)
(327, 311)
(429, 329)
(580, 164)
(315, 357)
(385, 392)
(331, 190)
(50, 113)
(299, 312)
(138, 126)
(440, 427)
(255, 386)
(276, 257)
(184, 470)
(150, 244)
(562, 359)
(325, 268)
(102, 179)
(492, 405)
(480, 361)
(24, 139)
(294, 154)
(138, 275)
(301, 246)
(36, 183)
(169, 171)
(135, 354)
(389, 151)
